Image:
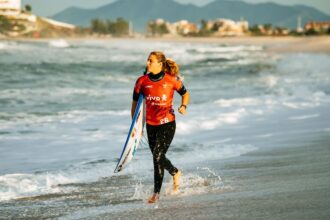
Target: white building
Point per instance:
(180, 27)
(12, 10)
(227, 27)
(10, 7)
(184, 27)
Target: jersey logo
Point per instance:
(153, 98)
(164, 97)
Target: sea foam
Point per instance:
(60, 43)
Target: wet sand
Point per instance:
(287, 177)
(284, 182)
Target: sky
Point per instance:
(48, 8)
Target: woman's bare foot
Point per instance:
(176, 181)
(154, 198)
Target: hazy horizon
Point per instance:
(49, 8)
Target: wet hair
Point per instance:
(169, 66)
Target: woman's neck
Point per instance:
(156, 76)
(156, 72)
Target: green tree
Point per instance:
(311, 32)
(268, 27)
(121, 27)
(204, 31)
(162, 29)
(111, 27)
(157, 29)
(95, 25)
(203, 25)
(28, 8)
(5, 24)
(255, 30)
(152, 26)
(98, 26)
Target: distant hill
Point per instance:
(139, 12)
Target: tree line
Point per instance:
(159, 29)
(119, 27)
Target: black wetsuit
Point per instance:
(160, 137)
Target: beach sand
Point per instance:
(315, 44)
(285, 181)
(281, 44)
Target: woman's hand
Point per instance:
(182, 109)
(184, 102)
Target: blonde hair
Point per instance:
(169, 66)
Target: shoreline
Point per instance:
(277, 44)
(279, 182)
(267, 155)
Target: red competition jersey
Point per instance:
(159, 97)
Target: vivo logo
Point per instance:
(153, 98)
(156, 98)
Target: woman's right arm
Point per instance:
(136, 95)
(134, 104)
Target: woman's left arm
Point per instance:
(184, 103)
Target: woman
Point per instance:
(158, 89)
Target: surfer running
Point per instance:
(158, 89)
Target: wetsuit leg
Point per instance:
(160, 138)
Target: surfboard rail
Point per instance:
(133, 137)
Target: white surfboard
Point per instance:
(134, 135)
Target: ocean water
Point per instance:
(65, 114)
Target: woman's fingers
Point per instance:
(182, 110)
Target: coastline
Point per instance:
(282, 44)
(289, 182)
(286, 177)
(316, 44)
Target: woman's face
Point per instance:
(153, 65)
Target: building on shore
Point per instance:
(21, 22)
(184, 27)
(26, 23)
(10, 7)
(160, 27)
(317, 26)
(220, 27)
(227, 27)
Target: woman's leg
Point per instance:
(165, 137)
(160, 138)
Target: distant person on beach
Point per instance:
(158, 86)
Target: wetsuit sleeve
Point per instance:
(137, 89)
(179, 87)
